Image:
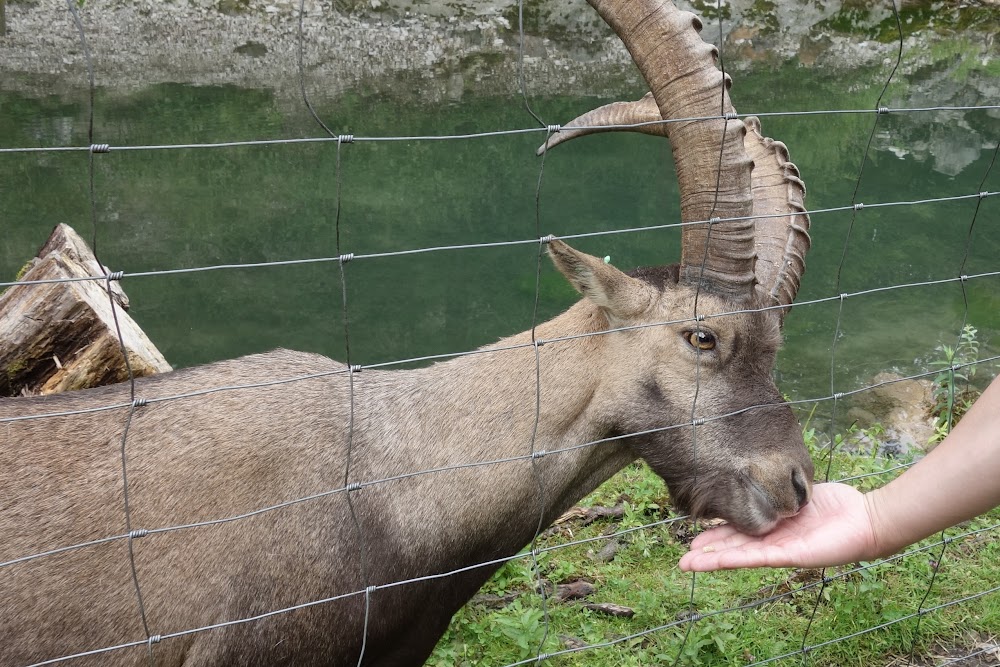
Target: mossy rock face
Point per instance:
(234, 7)
(765, 15)
(709, 9)
(252, 49)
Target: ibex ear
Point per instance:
(622, 296)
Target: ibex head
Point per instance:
(723, 305)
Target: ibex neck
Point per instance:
(522, 400)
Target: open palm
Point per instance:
(834, 528)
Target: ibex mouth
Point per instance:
(743, 502)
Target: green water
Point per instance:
(197, 207)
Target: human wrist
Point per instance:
(884, 535)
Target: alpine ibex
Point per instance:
(699, 341)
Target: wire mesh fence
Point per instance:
(357, 477)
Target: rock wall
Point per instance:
(455, 45)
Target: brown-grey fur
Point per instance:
(227, 453)
(234, 451)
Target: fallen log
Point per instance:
(61, 336)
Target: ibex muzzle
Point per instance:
(278, 520)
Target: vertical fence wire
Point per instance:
(353, 487)
(950, 414)
(856, 207)
(536, 470)
(132, 534)
(692, 615)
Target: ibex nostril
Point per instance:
(801, 487)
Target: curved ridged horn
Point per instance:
(714, 179)
(643, 115)
(780, 220)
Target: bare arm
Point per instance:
(958, 480)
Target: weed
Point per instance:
(953, 392)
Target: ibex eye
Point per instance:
(701, 340)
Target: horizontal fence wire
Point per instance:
(143, 532)
(107, 148)
(648, 631)
(343, 259)
(352, 484)
(473, 464)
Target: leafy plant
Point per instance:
(953, 392)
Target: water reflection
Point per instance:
(186, 208)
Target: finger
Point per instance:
(735, 558)
(713, 535)
(721, 538)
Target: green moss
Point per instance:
(534, 15)
(233, 7)
(849, 20)
(912, 19)
(24, 269)
(708, 9)
(765, 14)
(855, 18)
(481, 59)
(981, 18)
(15, 368)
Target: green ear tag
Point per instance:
(607, 259)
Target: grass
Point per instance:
(775, 606)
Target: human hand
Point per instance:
(834, 528)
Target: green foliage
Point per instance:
(953, 392)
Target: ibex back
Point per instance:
(211, 476)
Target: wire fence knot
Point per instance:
(839, 395)
(370, 589)
(154, 639)
(137, 533)
(345, 139)
(539, 454)
(731, 115)
(116, 275)
(548, 238)
(100, 148)
(715, 220)
(964, 277)
(552, 129)
(699, 318)
(984, 195)
(700, 421)
(859, 206)
(354, 368)
(881, 111)
(140, 402)
(344, 259)
(353, 486)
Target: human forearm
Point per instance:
(958, 480)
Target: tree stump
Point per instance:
(62, 336)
